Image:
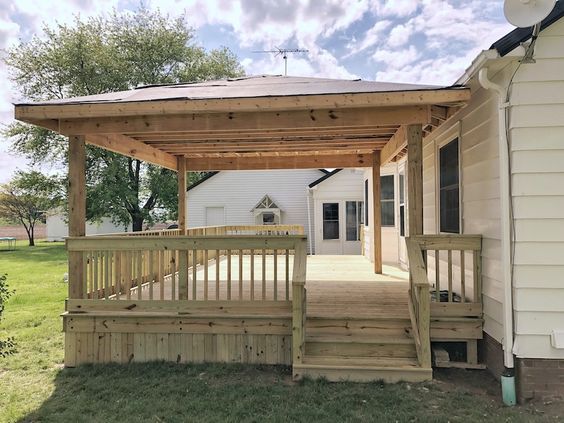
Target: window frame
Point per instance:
(454, 138)
(323, 220)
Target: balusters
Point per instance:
(252, 294)
(240, 275)
(449, 272)
(194, 274)
(287, 275)
(275, 281)
(462, 277)
(206, 275)
(437, 276)
(263, 284)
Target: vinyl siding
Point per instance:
(476, 127)
(537, 155)
(240, 191)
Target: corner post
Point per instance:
(298, 306)
(77, 212)
(182, 186)
(415, 179)
(182, 216)
(376, 212)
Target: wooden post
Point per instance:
(415, 179)
(299, 304)
(182, 206)
(377, 212)
(77, 212)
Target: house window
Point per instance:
(366, 202)
(402, 204)
(354, 220)
(387, 200)
(268, 218)
(449, 188)
(330, 220)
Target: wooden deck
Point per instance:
(337, 286)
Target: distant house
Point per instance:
(327, 204)
(58, 229)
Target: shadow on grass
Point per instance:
(164, 392)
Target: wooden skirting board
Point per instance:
(127, 347)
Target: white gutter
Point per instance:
(504, 175)
(309, 228)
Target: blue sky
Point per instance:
(420, 41)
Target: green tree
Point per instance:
(104, 54)
(7, 346)
(27, 197)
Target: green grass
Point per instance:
(35, 387)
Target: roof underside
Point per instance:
(269, 118)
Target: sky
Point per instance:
(417, 41)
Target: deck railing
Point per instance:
(212, 267)
(426, 300)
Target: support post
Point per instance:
(415, 179)
(298, 306)
(182, 186)
(376, 212)
(77, 213)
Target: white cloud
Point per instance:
(424, 41)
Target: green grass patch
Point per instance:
(35, 387)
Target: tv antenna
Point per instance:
(527, 13)
(284, 53)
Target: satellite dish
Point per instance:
(526, 13)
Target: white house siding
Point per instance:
(476, 127)
(346, 185)
(390, 234)
(57, 228)
(240, 191)
(537, 154)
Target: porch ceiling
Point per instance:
(252, 123)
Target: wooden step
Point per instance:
(359, 346)
(374, 327)
(362, 369)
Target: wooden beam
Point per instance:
(376, 212)
(292, 102)
(132, 148)
(182, 188)
(256, 135)
(415, 179)
(321, 118)
(318, 161)
(77, 212)
(394, 146)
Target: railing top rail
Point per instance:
(448, 242)
(201, 242)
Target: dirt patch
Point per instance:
(482, 383)
(19, 231)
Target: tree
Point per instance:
(7, 346)
(27, 197)
(105, 54)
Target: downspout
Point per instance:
(508, 377)
(309, 228)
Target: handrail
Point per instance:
(290, 229)
(419, 302)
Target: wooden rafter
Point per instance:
(133, 148)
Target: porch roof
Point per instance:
(265, 122)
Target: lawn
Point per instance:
(35, 387)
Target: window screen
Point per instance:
(449, 188)
(354, 221)
(387, 200)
